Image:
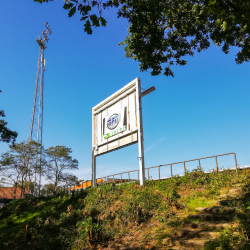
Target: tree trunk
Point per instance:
(22, 193)
(14, 196)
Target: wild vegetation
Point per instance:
(127, 215)
(23, 164)
(6, 135)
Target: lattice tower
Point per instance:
(36, 126)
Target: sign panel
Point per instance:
(115, 120)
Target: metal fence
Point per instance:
(68, 190)
(165, 165)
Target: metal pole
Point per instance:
(140, 133)
(200, 164)
(138, 175)
(40, 121)
(121, 178)
(159, 172)
(148, 173)
(216, 164)
(128, 177)
(235, 163)
(171, 170)
(93, 168)
(113, 177)
(184, 167)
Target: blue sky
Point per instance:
(202, 111)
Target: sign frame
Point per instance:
(124, 137)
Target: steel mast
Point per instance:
(36, 126)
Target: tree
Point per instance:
(6, 135)
(164, 32)
(17, 167)
(26, 184)
(58, 161)
(69, 180)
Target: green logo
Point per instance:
(107, 136)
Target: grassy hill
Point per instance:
(196, 211)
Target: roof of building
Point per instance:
(8, 192)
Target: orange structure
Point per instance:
(8, 192)
(87, 184)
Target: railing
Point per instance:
(68, 189)
(128, 172)
(198, 159)
(171, 168)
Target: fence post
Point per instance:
(235, 163)
(184, 167)
(200, 164)
(159, 172)
(216, 164)
(171, 170)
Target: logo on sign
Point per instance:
(113, 121)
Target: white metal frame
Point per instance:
(134, 85)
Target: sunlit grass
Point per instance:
(127, 209)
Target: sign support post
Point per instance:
(140, 134)
(93, 168)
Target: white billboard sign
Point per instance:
(117, 123)
(116, 120)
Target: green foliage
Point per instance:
(6, 135)
(98, 215)
(59, 160)
(19, 163)
(228, 240)
(163, 33)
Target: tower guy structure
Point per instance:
(36, 126)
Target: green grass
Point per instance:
(193, 203)
(91, 218)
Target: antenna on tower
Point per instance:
(36, 126)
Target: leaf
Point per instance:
(212, 2)
(95, 20)
(168, 72)
(103, 21)
(223, 11)
(243, 29)
(205, 10)
(224, 26)
(217, 22)
(83, 18)
(87, 27)
(67, 6)
(72, 11)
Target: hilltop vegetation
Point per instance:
(125, 215)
